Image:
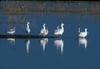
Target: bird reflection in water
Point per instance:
(11, 32)
(44, 42)
(60, 44)
(27, 45)
(83, 42)
(12, 40)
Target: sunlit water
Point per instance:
(65, 52)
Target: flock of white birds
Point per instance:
(57, 32)
(44, 31)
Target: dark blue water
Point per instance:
(74, 56)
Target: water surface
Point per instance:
(74, 56)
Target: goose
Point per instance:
(83, 41)
(59, 31)
(11, 31)
(60, 44)
(83, 34)
(28, 28)
(44, 42)
(44, 30)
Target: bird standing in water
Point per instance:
(44, 31)
(59, 31)
(11, 31)
(83, 34)
(28, 28)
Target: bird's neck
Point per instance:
(44, 27)
(86, 31)
(28, 25)
(62, 27)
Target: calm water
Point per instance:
(69, 55)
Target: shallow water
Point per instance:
(72, 55)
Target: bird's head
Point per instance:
(62, 24)
(86, 30)
(28, 22)
(44, 25)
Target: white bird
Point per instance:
(44, 42)
(83, 41)
(59, 44)
(11, 31)
(44, 31)
(59, 31)
(83, 34)
(28, 27)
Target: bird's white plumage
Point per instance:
(44, 31)
(28, 27)
(11, 31)
(83, 34)
(59, 31)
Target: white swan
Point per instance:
(43, 42)
(83, 41)
(28, 28)
(59, 44)
(27, 45)
(59, 31)
(83, 34)
(44, 31)
(11, 31)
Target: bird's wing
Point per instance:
(42, 30)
